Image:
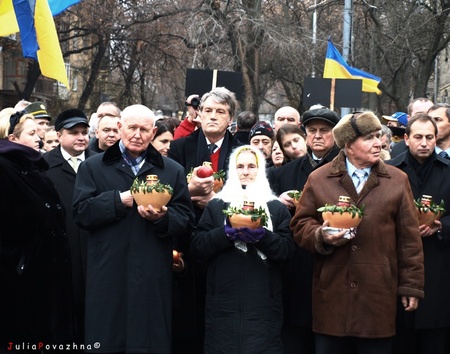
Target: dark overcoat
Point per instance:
(129, 272)
(297, 273)
(191, 151)
(356, 285)
(244, 311)
(434, 309)
(63, 178)
(36, 288)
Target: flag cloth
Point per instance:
(38, 35)
(337, 68)
(8, 22)
(58, 6)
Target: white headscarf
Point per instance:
(258, 191)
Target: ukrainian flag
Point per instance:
(40, 41)
(337, 68)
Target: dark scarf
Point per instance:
(421, 169)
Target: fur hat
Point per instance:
(354, 125)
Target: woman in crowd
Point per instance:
(163, 137)
(277, 155)
(50, 139)
(243, 312)
(34, 259)
(292, 141)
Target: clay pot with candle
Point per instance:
(343, 214)
(247, 216)
(151, 191)
(428, 211)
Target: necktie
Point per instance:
(443, 154)
(211, 148)
(74, 163)
(361, 179)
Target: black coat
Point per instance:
(129, 271)
(36, 288)
(191, 151)
(63, 178)
(434, 309)
(297, 273)
(244, 310)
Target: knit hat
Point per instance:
(70, 118)
(354, 125)
(261, 128)
(324, 114)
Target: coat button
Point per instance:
(353, 285)
(58, 206)
(354, 248)
(47, 205)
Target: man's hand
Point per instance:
(200, 186)
(149, 213)
(410, 303)
(287, 200)
(127, 199)
(426, 231)
(334, 239)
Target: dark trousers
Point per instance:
(298, 340)
(422, 341)
(352, 345)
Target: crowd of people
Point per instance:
(90, 270)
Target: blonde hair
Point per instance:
(258, 192)
(5, 123)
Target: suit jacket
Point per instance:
(192, 151)
(434, 309)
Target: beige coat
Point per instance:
(355, 286)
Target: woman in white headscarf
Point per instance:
(243, 312)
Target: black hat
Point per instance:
(38, 110)
(70, 118)
(261, 128)
(324, 114)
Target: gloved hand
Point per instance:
(244, 234)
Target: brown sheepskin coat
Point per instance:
(356, 285)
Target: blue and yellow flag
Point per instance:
(34, 19)
(337, 68)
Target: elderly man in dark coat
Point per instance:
(428, 328)
(129, 274)
(356, 280)
(298, 337)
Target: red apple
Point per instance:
(205, 171)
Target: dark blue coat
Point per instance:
(434, 309)
(129, 269)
